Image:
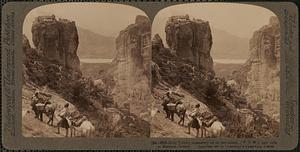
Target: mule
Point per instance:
(83, 126)
(179, 109)
(63, 123)
(213, 128)
(47, 108)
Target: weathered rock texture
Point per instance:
(132, 59)
(54, 63)
(190, 39)
(172, 70)
(57, 40)
(175, 70)
(221, 99)
(26, 44)
(81, 92)
(262, 70)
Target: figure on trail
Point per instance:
(49, 110)
(38, 103)
(166, 100)
(177, 107)
(194, 123)
(63, 114)
(180, 111)
(34, 100)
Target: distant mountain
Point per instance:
(228, 46)
(225, 45)
(93, 45)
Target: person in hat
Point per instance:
(63, 114)
(194, 123)
(34, 100)
(166, 100)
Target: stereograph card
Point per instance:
(154, 76)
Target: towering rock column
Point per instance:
(190, 39)
(133, 65)
(262, 70)
(57, 40)
(264, 75)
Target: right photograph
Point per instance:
(215, 72)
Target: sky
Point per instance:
(109, 19)
(238, 19)
(102, 18)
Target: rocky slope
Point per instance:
(182, 74)
(132, 66)
(53, 65)
(262, 70)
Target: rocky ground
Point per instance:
(32, 127)
(113, 122)
(225, 105)
(225, 70)
(88, 70)
(162, 127)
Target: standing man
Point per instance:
(167, 99)
(194, 123)
(35, 99)
(63, 114)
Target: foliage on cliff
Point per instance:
(225, 101)
(47, 66)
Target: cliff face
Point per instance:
(26, 44)
(190, 39)
(53, 65)
(187, 61)
(132, 62)
(182, 70)
(262, 69)
(169, 68)
(57, 40)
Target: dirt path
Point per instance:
(162, 127)
(33, 127)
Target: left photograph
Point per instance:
(86, 71)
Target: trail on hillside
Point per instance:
(163, 127)
(33, 127)
(189, 66)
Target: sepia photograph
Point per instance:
(197, 74)
(170, 75)
(215, 71)
(86, 71)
